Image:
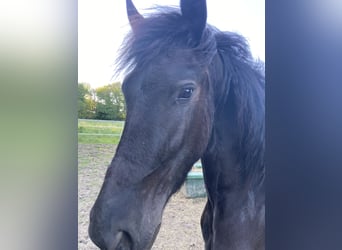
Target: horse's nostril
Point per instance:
(122, 241)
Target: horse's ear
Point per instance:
(195, 13)
(134, 16)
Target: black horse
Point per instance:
(192, 92)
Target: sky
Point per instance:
(102, 25)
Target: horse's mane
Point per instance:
(244, 81)
(243, 77)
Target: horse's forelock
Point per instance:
(160, 33)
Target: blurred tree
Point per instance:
(86, 102)
(110, 103)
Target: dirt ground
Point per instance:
(180, 227)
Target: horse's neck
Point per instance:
(224, 166)
(221, 163)
(233, 197)
(224, 175)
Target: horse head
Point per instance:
(167, 129)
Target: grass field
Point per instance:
(98, 131)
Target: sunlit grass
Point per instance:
(97, 131)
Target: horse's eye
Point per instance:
(186, 93)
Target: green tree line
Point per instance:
(103, 103)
